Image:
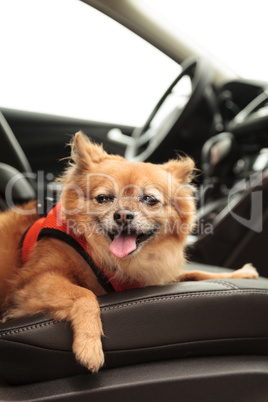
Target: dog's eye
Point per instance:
(102, 198)
(149, 200)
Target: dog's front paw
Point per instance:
(89, 353)
(246, 272)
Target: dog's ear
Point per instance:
(182, 169)
(84, 152)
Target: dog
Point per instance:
(118, 225)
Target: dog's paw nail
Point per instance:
(90, 354)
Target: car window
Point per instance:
(234, 32)
(63, 57)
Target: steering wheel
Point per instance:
(14, 163)
(11, 151)
(147, 139)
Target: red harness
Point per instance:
(54, 226)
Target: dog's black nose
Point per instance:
(123, 216)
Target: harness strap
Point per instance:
(103, 279)
(53, 226)
(29, 239)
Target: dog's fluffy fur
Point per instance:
(96, 186)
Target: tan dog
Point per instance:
(119, 224)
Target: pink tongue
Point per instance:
(123, 245)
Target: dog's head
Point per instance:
(127, 210)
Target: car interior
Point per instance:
(190, 341)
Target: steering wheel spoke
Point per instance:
(147, 139)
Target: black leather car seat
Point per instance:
(232, 243)
(217, 327)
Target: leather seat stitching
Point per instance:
(184, 296)
(27, 328)
(224, 283)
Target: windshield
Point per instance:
(63, 57)
(235, 32)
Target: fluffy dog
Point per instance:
(118, 225)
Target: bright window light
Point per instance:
(65, 58)
(233, 31)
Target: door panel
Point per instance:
(44, 137)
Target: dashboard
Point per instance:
(249, 124)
